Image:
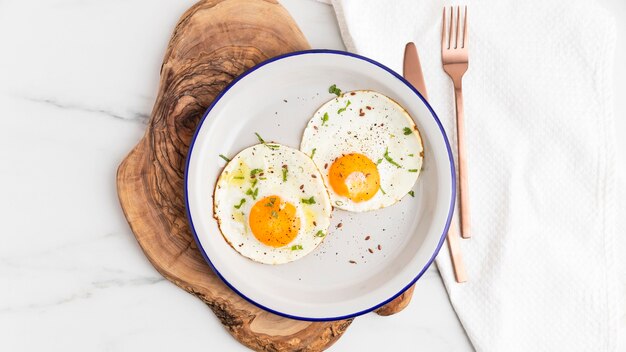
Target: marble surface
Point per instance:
(77, 82)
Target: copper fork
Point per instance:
(454, 55)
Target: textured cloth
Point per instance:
(540, 139)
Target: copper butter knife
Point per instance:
(412, 72)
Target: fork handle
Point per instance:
(463, 185)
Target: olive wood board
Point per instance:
(213, 42)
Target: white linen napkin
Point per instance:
(540, 139)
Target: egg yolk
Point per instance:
(274, 222)
(354, 176)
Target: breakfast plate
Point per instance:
(366, 258)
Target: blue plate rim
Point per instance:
(333, 52)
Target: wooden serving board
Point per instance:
(213, 42)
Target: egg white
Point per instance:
(368, 123)
(303, 181)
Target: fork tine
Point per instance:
(458, 27)
(450, 32)
(465, 29)
(443, 30)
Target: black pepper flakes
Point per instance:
(379, 247)
(351, 262)
(367, 237)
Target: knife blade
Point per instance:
(412, 70)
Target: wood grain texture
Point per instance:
(214, 41)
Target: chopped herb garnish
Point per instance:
(411, 154)
(284, 174)
(379, 161)
(382, 190)
(308, 201)
(324, 118)
(243, 200)
(389, 159)
(254, 181)
(252, 192)
(271, 202)
(412, 170)
(412, 194)
(238, 177)
(313, 152)
(334, 90)
(296, 247)
(272, 146)
(344, 108)
(261, 140)
(224, 157)
(255, 171)
(274, 214)
(320, 233)
(407, 131)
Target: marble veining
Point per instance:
(134, 117)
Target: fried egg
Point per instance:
(368, 149)
(271, 204)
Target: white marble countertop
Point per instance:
(77, 81)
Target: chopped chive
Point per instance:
(254, 181)
(379, 161)
(284, 174)
(261, 140)
(296, 247)
(389, 159)
(382, 190)
(255, 171)
(320, 233)
(334, 90)
(238, 177)
(263, 178)
(224, 157)
(412, 170)
(274, 214)
(272, 146)
(271, 202)
(412, 194)
(243, 200)
(252, 192)
(411, 154)
(324, 118)
(313, 152)
(407, 131)
(344, 108)
(308, 201)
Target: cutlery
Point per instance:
(454, 55)
(412, 71)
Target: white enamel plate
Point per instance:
(341, 278)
